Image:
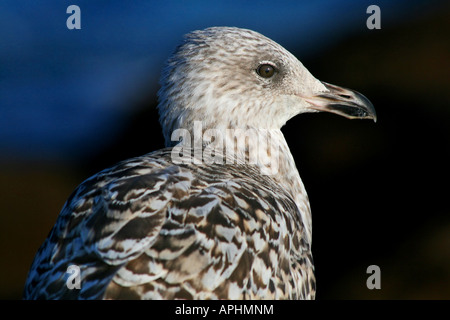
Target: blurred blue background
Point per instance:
(73, 102)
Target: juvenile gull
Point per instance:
(155, 227)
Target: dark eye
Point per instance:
(266, 70)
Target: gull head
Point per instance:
(228, 77)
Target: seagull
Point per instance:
(212, 215)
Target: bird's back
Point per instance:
(148, 228)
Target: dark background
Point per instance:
(73, 102)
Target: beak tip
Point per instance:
(345, 102)
(372, 111)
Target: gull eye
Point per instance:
(266, 70)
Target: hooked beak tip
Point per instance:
(345, 102)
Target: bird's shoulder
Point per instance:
(135, 198)
(151, 204)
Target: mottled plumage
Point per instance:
(153, 227)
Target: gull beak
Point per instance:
(344, 102)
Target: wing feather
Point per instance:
(147, 228)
